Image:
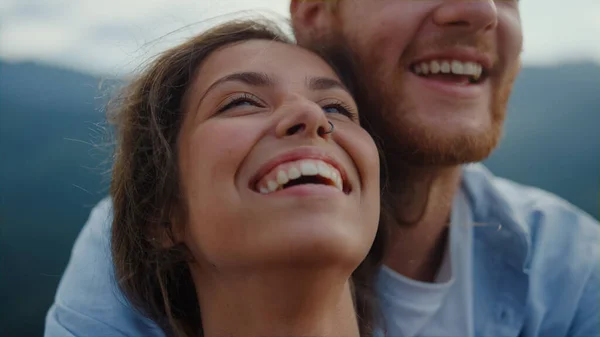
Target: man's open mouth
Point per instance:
(451, 71)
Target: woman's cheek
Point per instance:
(363, 152)
(224, 143)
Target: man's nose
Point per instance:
(473, 15)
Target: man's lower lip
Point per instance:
(467, 91)
(307, 190)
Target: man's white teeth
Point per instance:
(457, 68)
(445, 67)
(280, 176)
(449, 67)
(435, 67)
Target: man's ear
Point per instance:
(311, 18)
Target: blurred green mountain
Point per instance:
(552, 136)
(51, 174)
(53, 143)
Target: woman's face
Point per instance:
(264, 184)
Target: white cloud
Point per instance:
(113, 36)
(41, 38)
(557, 30)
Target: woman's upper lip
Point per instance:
(299, 154)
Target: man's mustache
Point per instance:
(448, 42)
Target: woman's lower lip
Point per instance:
(307, 190)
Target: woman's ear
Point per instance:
(162, 237)
(168, 233)
(311, 18)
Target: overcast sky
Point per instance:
(111, 37)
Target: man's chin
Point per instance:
(427, 148)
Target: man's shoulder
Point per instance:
(88, 300)
(492, 194)
(550, 251)
(99, 222)
(551, 226)
(102, 212)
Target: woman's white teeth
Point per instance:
(449, 67)
(309, 169)
(294, 173)
(282, 178)
(272, 186)
(324, 170)
(273, 182)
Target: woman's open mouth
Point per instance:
(301, 172)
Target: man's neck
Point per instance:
(419, 203)
(279, 303)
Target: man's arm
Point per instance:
(587, 317)
(88, 301)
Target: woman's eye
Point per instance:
(240, 101)
(339, 108)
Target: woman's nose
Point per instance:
(303, 118)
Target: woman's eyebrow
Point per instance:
(263, 80)
(324, 83)
(260, 79)
(249, 77)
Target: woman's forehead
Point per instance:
(279, 60)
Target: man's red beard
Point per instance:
(385, 112)
(415, 143)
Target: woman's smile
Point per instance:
(304, 169)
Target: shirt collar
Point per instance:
(496, 220)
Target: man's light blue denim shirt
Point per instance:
(536, 269)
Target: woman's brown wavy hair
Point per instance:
(145, 186)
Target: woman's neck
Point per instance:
(299, 302)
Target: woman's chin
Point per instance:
(317, 255)
(320, 242)
(310, 254)
(325, 242)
